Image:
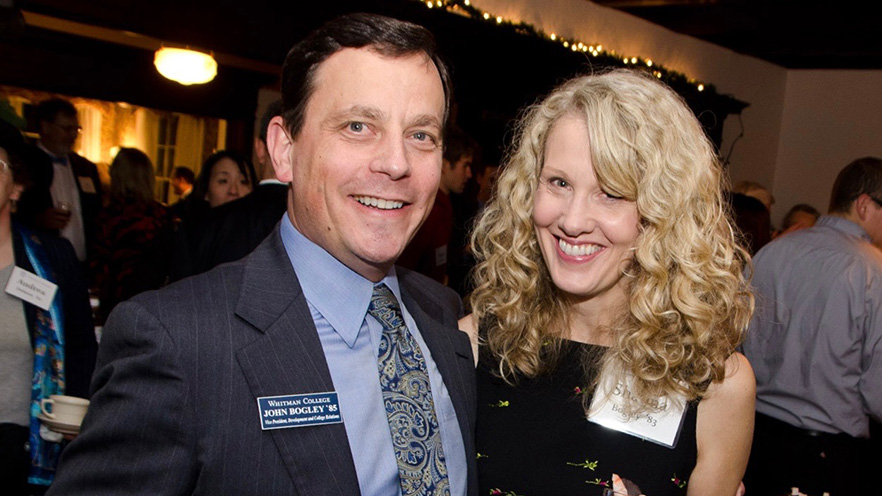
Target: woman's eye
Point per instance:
(558, 182)
(612, 196)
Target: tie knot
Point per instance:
(384, 307)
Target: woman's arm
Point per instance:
(468, 325)
(724, 431)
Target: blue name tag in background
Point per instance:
(298, 410)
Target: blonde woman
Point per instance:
(610, 287)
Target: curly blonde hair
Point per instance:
(689, 300)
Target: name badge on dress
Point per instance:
(298, 410)
(31, 288)
(87, 185)
(661, 426)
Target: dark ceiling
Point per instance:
(806, 34)
(496, 71)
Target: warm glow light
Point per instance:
(185, 66)
(700, 87)
(467, 3)
(429, 4)
(486, 15)
(633, 60)
(499, 20)
(648, 63)
(553, 36)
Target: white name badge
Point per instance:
(661, 427)
(87, 185)
(31, 288)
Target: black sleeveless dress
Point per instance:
(533, 439)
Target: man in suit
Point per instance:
(270, 375)
(65, 194)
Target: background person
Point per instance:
(816, 345)
(225, 176)
(42, 352)
(133, 245)
(65, 191)
(607, 263)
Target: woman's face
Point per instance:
(8, 189)
(586, 236)
(226, 183)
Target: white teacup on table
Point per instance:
(63, 413)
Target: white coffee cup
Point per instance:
(65, 409)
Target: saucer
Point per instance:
(57, 426)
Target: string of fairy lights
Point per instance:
(606, 57)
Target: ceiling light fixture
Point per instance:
(185, 66)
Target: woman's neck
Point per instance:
(594, 320)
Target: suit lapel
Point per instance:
(288, 359)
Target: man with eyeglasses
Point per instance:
(815, 343)
(66, 192)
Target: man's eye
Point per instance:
(356, 127)
(421, 136)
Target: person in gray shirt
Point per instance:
(815, 343)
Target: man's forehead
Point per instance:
(340, 77)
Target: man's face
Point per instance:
(454, 176)
(179, 185)
(60, 135)
(366, 164)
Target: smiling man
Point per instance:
(312, 366)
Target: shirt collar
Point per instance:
(60, 159)
(844, 225)
(340, 294)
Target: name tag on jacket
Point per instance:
(298, 410)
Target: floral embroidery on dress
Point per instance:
(499, 404)
(678, 481)
(480, 455)
(498, 492)
(586, 464)
(598, 482)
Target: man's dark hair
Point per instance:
(863, 176)
(185, 173)
(458, 144)
(48, 110)
(12, 142)
(385, 35)
(799, 208)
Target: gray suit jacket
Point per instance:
(174, 407)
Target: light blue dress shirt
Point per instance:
(338, 298)
(815, 340)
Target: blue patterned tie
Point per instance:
(407, 396)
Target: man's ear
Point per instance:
(280, 147)
(862, 206)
